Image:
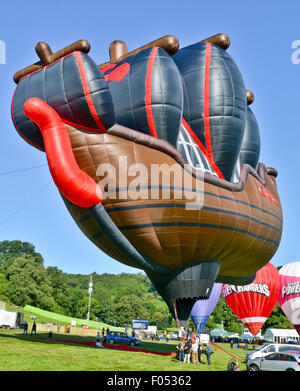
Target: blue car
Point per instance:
(121, 338)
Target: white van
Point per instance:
(271, 348)
(8, 319)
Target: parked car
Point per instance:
(267, 348)
(122, 338)
(287, 361)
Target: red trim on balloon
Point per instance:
(176, 316)
(79, 126)
(194, 137)
(202, 148)
(119, 73)
(107, 68)
(148, 92)
(88, 93)
(206, 101)
(76, 185)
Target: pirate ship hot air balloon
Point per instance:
(158, 105)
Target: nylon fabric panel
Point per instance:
(75, 93)
(227, 96)
(203, 308)
(250, 149)
(99, 91)
(151, 71)
(166, 97)
(60, 85)
(191, 64)
(129, 94)
(55, 92)
(27, 129)
(227, 101)
(289, 296)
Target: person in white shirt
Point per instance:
(195, 351)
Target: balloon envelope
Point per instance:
(203, 308)
(253, 303)
(139, 111)
(289, 295)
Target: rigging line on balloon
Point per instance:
(25, 204)
(22, 169)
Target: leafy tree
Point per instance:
(29, 283)
(74, 303)
(277, 320)
(116, 299)
(14, 248)
(3, 283)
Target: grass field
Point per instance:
(28, 353)
(63, 319)
(47, 316)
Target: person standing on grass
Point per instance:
(25, 328)
(195, 351)
(208, 353)
(199, 351)
(33, 330)
(180, 351)
(98, 339)
(187, 351)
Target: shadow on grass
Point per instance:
(39, 338)
(83, 341)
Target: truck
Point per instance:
(11, 320)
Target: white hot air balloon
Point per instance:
(289, 295)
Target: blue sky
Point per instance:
(261, 34)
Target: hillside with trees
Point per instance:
(116, 299)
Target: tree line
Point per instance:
(116, 299)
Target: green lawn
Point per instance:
(52, 317)
(27, 353)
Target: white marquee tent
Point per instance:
(282, 335)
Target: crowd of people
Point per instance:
(191, 349)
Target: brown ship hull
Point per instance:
(240, 225)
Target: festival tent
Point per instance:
(234, 336)
(247, 336)
(282, 335)
(219, 333)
